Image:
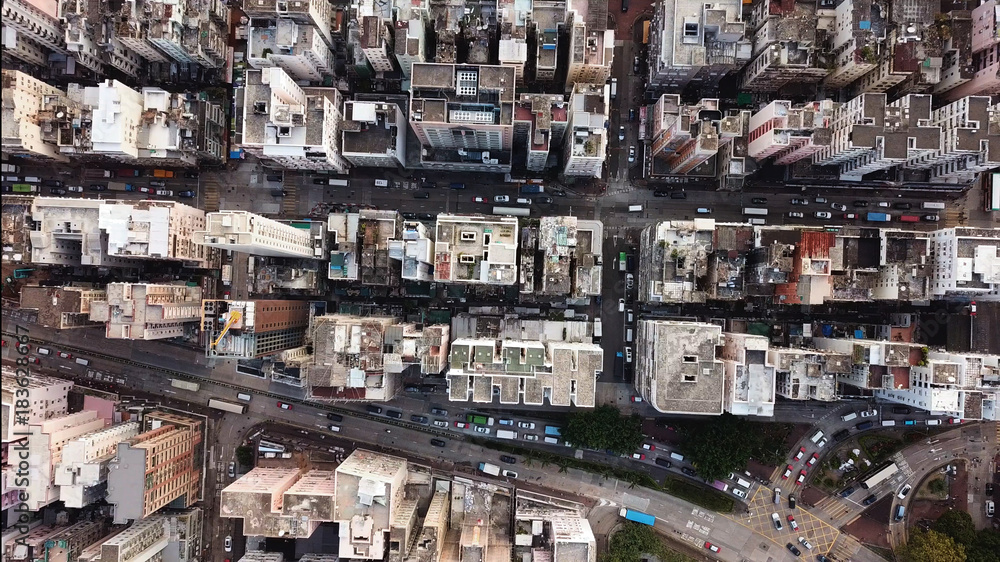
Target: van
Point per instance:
(551, 440)
(82, 361)
(244, 397)
(900, 511)
(277, 193)
(43, 351)
(740, 480)
(32, 179)
(523, 201)
(758, 221)
(888, 423)
(678, 195)
(662, 462)
(628, 335)
(865, 425)
(677, 456)
(848, 417)
(381, 183)
(900, 410)
(635, 208)
(777, 496)
(335, 428)
(816, 436)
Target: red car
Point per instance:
(711, 547)
(146, 190)
(639, 456)
(284, 405)
(461, 425)
(65, 355)
(802, 477)
(813, 459)
(4, 343)
(792, 522)
(649, 446)
(637, 399)
(479, 200)
(34, 361)
(787, 473)
(802, 451)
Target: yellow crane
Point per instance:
(234, 317)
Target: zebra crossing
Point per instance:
(210, 189)
(844, 548)
(290, 202)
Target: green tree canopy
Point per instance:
(985, 547)
(932, 546)
(726, 443)
(958, 525)
(244, 456)
(604, 428)
(631, 541)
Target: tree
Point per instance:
(631, 541)
(604, 428)
(938, 486)
(726, 443)
(932, 546)
(958, 525)
(244, 456)
(985, 547)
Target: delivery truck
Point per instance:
(491, 469)
(120, 186)
(532, 188)
(96, 173)
(506, 434)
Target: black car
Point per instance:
(439, 412)
(98, 187)
(438, 442)
(412, 388)
(558, 193)
(274, 178)
(547, 200)
(688, 471)
(847, 492)
(377, 410)
(508, 459)
(860, 203)
(865, 425)
(793, 549)
(185, 193)
(278, 193)
(791, 501)
(678, 195)
(870, 500)
(662, 462)
(759, 201)
(57, 191)
(903, 206)
(630, 263)
(426, 388)
(320, 181)
(52, 183)
(631, 114)
(335, 417)
(841, 435)
(191, 175)
(394, 414)
(661, 193)
(421, 195)
(410, 216)
(416, 418)
(989, 489)
(900, 410)
(426, 216)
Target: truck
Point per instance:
(227, 274)
(491, 469)
(506, 434)
(553, 431)
(619, 366)
(338, 183)
(598, 329)
(637, 516)
(614, 88)
(96, 173)
(11, 168)
(185, 385)
(479, 419)
(532, 188)
(161, 173)
(878, 217)
(120, 186)
(127, 173)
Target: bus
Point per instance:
(270, 447)
(23, 188)
(622, 260)
(512, 211)
(880, 476)
(185, 385)
(753, 211)
(340, 182)
(227, 406)
(932, 206)
(993, 199)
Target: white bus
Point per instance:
(754, 211)
(880, 476)
(342, 183)
(185, 385)
(227, 406)
(993, 199)
(512, 211)
(932, 206)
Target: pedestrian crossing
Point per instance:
(210, 189)
(844, 548)
(290, 202)
(953, 217)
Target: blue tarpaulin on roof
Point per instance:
(864, 24)
(827, 330)
(859, 334)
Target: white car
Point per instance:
(776, 519)
(821, 444)
(868, 413)
(531, 437)
(905, 490)
(631, 154)
(649, 446)
(805, 543)
(621, 305)
(509, 473)
(628, 354)
(74, 188)
(822, 215)
(482, 429)
(164, 193)
(795, 215)
(838, 207)
(621, 133)
(501, 199)
(884, 204)
(629, 281)
(739, 493)
(526, 425)
(228, 544)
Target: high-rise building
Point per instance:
(964, 261)
(414, 249)
(370, 490)
(61, 307)
(23, 97)
(587, 145)
(851, 41)
(243, 231)
(37, 21)
(45, 444)
(970, 140)
(476, 249)
(376, 43)
(48, 396)
(591, 43)
(540, 123)
(676, 366)
(784, 45)
(300, 50)
(374, 134)
(984, 78)
(463, 116)
(144, 311)
(287, 503)
(157, 467)
(789, 133)
(409, 42)
(513, 48)
(683, 137)
(82, 471)
(251, 329)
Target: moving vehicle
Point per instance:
(478, 199)
(512, 211)
(479, 419)
(506, 434)
(800, 454)
(227, 406)
(228, 544)
(526, 425)
(822, 215)
(631, 154)
(638, 456)
(637, 516)
(797, 201)
(931, 218)
(802, 477)
(805, 543)
(461, 425)
(187, 193)
(553, 431)
(903, 491)
(164, 193)
(508, 459)
(159, 173)
(787, 472)
(662, 462)
(759, 201)
(870, 500)
(457, 185)
(338, 182)
(909, 218)
(438, 442)
(284, 405)
(932, 205)
(482, 429)
(491, 469)
(838, 207)
(902, 206)
(878, 217)
(649, 446)
(94, 173)
(739, 493)
(231, 469)
(621, 133)
(711, 547)
(185, 385)
(381, 183)
(421, 195)
(74, 188)
(860, 203)
(754, 211)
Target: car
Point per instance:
(903, 491)
(621, 305)
(631, 154)
(884, 204)
(501, 199)
(989, 489)
(821, 443)
(972, 308)
(954, 420)
(631, 114)
(868, 413)
(526, 425)
(795, 215)
(394, 414)
(34, 360)
(231, 470)
(850, 216)
(813, 459)
(193, 174)
(144, 189)
(628, 354)
(739, 493)
(822, 215)
(901, 410)
(636, 399)
(629, 281)
(838, 207)
(74, 188)
(776, 519)
(277, 178)
(321, 181)
(505, 421)
(791, 548)
(438, 442)
(99, 187)
(52, 183)
(870, 500)
(478, 199)
(57, 191)
(65, 355)
(422, 420)
(711, 547)
(787, 473)
(688, 471)
(759, 200)
(800, 454)
(335, 417)
(793, 523)
(543, 200)
(805, 543)
(635, 65)
(422, 195)
(284, 405)
(164, 193)
(440, 423)
(158, 183)
(860, 203)
(461, 425)
(791, 501)
(426, 216)
(847, 492)
(509, 474)
(661, 193)
(621, 133)
(820, 200)
(902, 206)
(802, 477)
(531, 437)
(186, 194)
(228, 544)
(439, 411)
(931, 218)
(639, 456)
(508, 459)
(841, 435)
(558, 192)
(798, 201)
(482, 429)
(649, 446)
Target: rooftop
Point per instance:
(676, 363)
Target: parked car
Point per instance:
(820, 200)
(638, 456)
(621, 133)
(526, 425)
(440, 423)
(501, 199)
(284, 405)
(739, 493)
(438, 442)
(508, 459)
(228, 544)
(461, 425)
(759, 201)
(805, 543)
(98, 187)
(795, 215)
(74, 188)
(793, 523)
(158, 183)
(482, 429)
(144, 189)
(711, 547)
(509, 473)
(531, 437)
(822, 215)
(903, 491)
(688, 471)
(802, 477)
(860, 203)
(631, 154)
(649, 446)
(813, 459)
(422, 195)
(65, 355)
(439, 411)
(798, 201)
(543, 200)
(931, 218)
(850, 216)
(478, 199)
(791, 548)
(164, 193)
(776, 519)
(231, 470)
(187, 193)
(787, 472)
(661, 193)
(870, 500)
(800, 454)
(57, 191)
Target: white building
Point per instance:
(300, 50)
(45, 444)
(676, 366)
(370, 488)
(963, 386)
(591, 50)
(750, 379)
(965, 261)
(242, 231)
(144, 311)
(117, 114)
(409, 44)
(476, 249)
(376, 43)
(23, 97)
(587, 145)
(82, 472)
(789, 133)
(35, 20)
(970, 142)
(851, 42)
(415, 249)
(46, 395)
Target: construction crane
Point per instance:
(234, 317)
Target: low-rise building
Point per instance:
(23, 97)
(476, 249)
(298, 49)
(61, 307)
(242, 231)
(258, 498)
(566, 246)
(806, 374)
(587, 145)
(676, 366)
(415, 251)
(964, 261)
(789, 133)
(950, 384)
(374, 134)
(143, 311)
(750, 379)
(369, 493)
